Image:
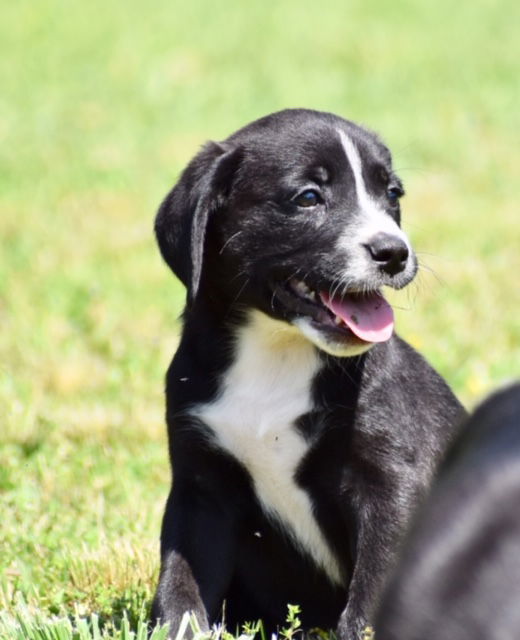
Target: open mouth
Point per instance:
(365, 316)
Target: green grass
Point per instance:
(101, 105)
(27, 625)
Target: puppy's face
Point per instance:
(297, 215)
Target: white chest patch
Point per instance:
(266, 389)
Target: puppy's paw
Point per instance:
(356, 629)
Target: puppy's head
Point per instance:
(297, 215)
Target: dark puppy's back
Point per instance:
(459, 576)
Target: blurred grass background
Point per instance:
(101, 105)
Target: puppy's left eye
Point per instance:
(393, 194)
(307, 198)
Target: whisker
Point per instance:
(272, 299)
(244, 285)
(228, 241)
(400, 308)
(293, 275)
(427, 253)
(334, 287)
(346, 286)
(424, 268)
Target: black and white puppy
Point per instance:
(459, 577)
(302, 430)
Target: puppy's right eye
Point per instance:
(307, 198)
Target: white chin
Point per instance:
(340, 349)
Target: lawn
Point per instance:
(101, 105)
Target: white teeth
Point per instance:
(301, 288)
(338, 320)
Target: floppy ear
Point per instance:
(182, 219)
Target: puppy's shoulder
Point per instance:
(402, 381)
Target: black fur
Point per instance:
(231, 231)
(459, 577)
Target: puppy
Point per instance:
(302, 430)
(459, 578)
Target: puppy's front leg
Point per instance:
(373, 557)
(177, 593)
(197, 543)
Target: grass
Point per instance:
(101, 106)
(26, 625)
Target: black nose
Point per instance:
(389, 252)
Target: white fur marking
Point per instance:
(338, 349)
(365, 202)
(372, 219)
(266, 389)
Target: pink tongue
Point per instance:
(369, 317)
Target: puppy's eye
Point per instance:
(393, 194)
(307, 198)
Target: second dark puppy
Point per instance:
(302, 430)
(459, 576)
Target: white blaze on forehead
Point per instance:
(365, 202)
(371, 218)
